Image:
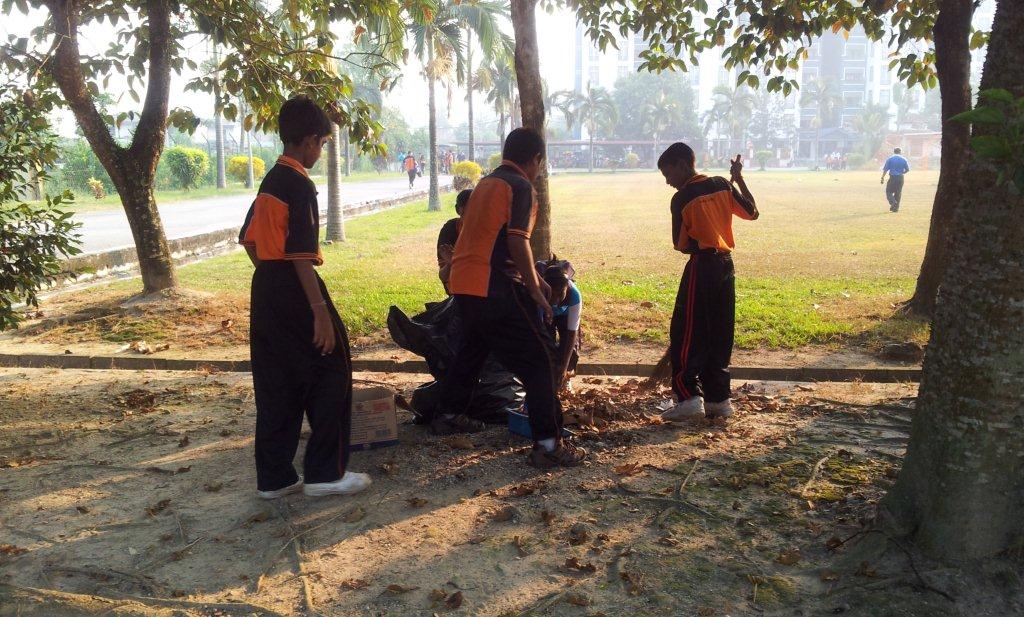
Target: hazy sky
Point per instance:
(410, 96)
(556, 32)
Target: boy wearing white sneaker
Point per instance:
(301, 363)
(701, 333)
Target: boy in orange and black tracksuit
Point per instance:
(300, 355)
(701, 333)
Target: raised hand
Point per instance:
(736, 168)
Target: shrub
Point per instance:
(467, 174)
(97, 188)
(238, 168)
(632, 160)
(187, 165)
(856, 160)
(493, 161)
(762, 157)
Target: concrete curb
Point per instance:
(151, 363)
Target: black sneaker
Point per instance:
(449, 425)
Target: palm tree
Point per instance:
(735, 108)
(593, 109)
(478, 79)
(504, 92)
(822, 93)
(439, 43)
(659, 113)
(873, 124)
(218, 118)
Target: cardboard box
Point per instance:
(374, 419)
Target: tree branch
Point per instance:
(149, 135)
(67, 73)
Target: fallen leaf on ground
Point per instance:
(547, 517)
(477, 539)
(355, 583)
(505, 514)
(454, 601)
(629, 469)
(789, 557)
(520, 545)
(213, 487)
(436, 595)
(578, 534)
(227, 324)
(183, 441)
(416, 502)
(633, 580)
(461, 442)
(573, 563)
(829, 576)
(354, 515)
(82, 509)
(159, 507)
(390, 468)
(10, 549)
(833, 543)
(399, 589)
(865, 569)
(522, 490)
(577, 599)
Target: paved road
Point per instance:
(108, 230)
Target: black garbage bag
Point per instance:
(436, 335)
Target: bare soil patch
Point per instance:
(133, 494)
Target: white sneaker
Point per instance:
(690, 409)
(721, 409)
(350, 484)
(281, 492)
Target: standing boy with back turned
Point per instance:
(300, 356)
(501, 299)
(704, 317)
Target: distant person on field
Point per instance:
(447, 238)
(703, 321)
(421, 166)
(301, 362)
(409, 164)
(504, 305)
(897, 167)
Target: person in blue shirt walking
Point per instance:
(897, 167)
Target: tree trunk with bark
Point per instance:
(951, 35)
(132, 169)
(218, 121)
(531, 97)
(960, 493)
(590, 135)
(250, 177)
(469, 92)
(434, 194)
(335, 215)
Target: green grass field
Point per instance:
(826, 262)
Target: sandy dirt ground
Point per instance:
(132, 493)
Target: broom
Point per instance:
(662, 371)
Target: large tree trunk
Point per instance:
(469, 92)
(250, 178)
(961, 490)
(531, 97)
(953, 65)
(434, 195)
(133, 169)
(335, 216)
(218, 121)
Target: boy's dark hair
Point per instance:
(555, 275)
(898, 151)
(522, 145)
(462, 200)
(675, 153)
(299, 118)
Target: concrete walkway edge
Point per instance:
(758, 373)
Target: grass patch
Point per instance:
(825, 264)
